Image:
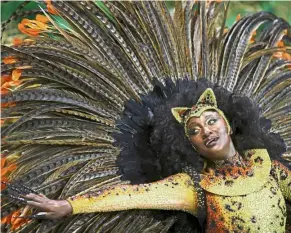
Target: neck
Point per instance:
(231, 152)
(235, 160)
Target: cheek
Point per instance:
(222, 128)
(199, 146)
(196, 141)
(224, 138)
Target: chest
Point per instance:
(260, 211)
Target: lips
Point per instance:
(210, 141)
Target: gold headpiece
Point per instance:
(207, 101)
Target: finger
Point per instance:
(41, 215)
(37, 195)
(50, 215)
(16, 198)
(42, 195)
(25, 211)
(37, 205)
(34, 197)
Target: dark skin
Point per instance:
(207, 133)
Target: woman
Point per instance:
(235, 184)
(99, 98)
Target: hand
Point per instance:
(49, 209)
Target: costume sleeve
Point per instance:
(173, 193)
(283, 176)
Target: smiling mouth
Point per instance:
(211, 141)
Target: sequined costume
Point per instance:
(232, 190)
(94, 109)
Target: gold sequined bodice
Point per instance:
(260, 211)
(243, 196)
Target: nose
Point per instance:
(206, 132)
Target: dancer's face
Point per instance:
(208, 134)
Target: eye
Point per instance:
(211, 121)
(192, 132)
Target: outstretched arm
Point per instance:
(173, 193)
(283, 176)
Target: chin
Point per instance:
(216, 153)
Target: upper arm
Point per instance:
(283, 176)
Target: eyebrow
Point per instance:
(209, 116)
(193, 124)
(206, 117)
(214, 114)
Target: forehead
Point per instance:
(202, 116)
